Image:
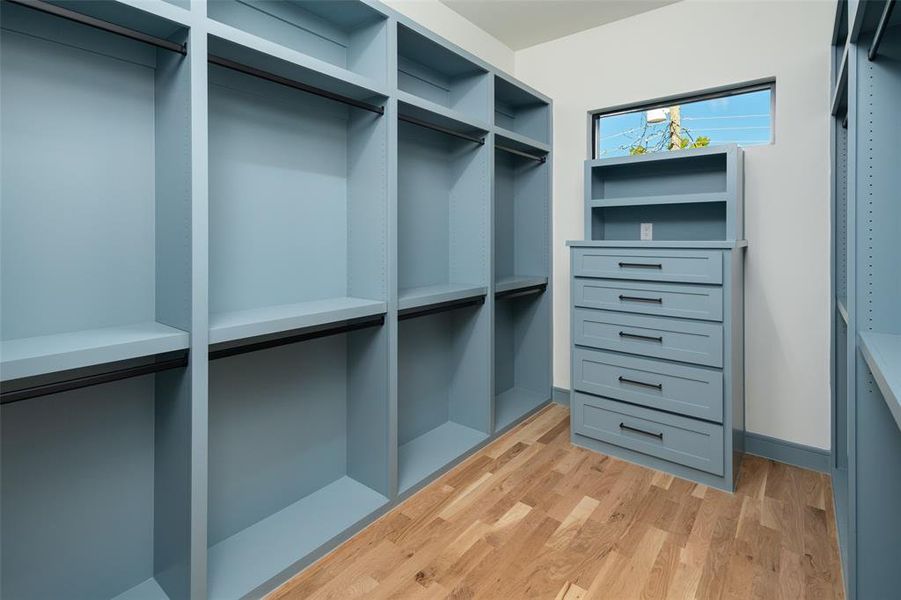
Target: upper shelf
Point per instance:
(514, 283)
(710, 244)
(694, 194)
(428, 295)
(840, 93)
(882, 351)
(349, 35)
(27, 357)
(520, 142)
(520, 111)
(434, 72)
(267, 320)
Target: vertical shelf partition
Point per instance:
(338, 382)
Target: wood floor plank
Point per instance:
(533, 517)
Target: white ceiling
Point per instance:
(523, 23)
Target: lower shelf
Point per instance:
(240, 563)
(422, 456)
(45, 354)
(241, 324)
(434, 294)
(149, 590)
(513, 404)
(517, 282)
(882, 351)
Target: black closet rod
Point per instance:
(304, 336)
(10, 396)
(539, 158)
(880, 29)
(414, 121)
(303, 87)
(71, 15)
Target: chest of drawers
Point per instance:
(657, 360)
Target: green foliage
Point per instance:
(639, 149)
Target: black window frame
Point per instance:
(732, 90)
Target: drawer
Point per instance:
(667, 299)
(691, 391)
(683, 266)
(696, 342)
(681, 440)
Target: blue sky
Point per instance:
(743, 119)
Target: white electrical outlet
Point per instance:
(647, 231)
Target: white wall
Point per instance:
(449, 24)
(786, 184)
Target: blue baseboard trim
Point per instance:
(798, 455)
(560, 396)
(806, 457)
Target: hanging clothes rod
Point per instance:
(540, 158)
(431, 309)
(8, 396)
(298, 336)
(880, 29)
(71, 15)
(303, 87)
(414, 121)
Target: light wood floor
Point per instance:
(532, 516)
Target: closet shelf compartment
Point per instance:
(46, 354)
(518, 282)
(242, 324)
(882, 352)
(298, 455)
(442, 390)
(427, 295)
(240, 563)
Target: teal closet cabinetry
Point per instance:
(658, 324)
(866, 325)
(268, 268)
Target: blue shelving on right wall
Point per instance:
(866, 357)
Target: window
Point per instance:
(742, 116)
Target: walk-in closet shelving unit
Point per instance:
(256, 259)
(658, 312)
(866, 385)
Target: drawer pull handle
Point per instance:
(657, 435)
(648, 338)
(628, 265)
(640, 299)
(656, 386)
